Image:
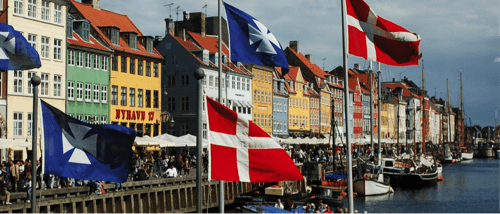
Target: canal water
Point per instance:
(468, 187)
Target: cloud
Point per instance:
(497, 59)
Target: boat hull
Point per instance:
(369, 186)
(486, 153)
(419, 180)
(467, 156)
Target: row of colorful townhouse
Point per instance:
(97, 66)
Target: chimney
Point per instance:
(170, 27)
(157, 40)
(185, 16)
(294, 45)
(356, 66)
(308, 57)
(93, 3)
(393, 79)
(184, 35)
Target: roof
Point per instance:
(105, 18)
(292, 73)
(92, 43)
(406, 92)
(209, 42)
(313, 67)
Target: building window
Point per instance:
(105, 63)
(18, 124)
(71, 57)
(132, 96)
(96, 58)
(133, 41)
(58, 50)
(210, 80)
(233, 82)
(79, 59)
(205, 132)
(171, 104)
(115, 63)
(148, 99)
(124, 96)
(87, 60)
(156, 100)
(57, 13)
(149, 45)
(30, 86)
(45, 47)
(185, 79)
(57, 85)
(30, 124)
(32, 8)
(44, 86)
(155, 69)
(174, 60)
(238, 82)
(79, 91)
(114, 95)
(96, 93)
(18, 7)
(184, 103)
(171, 80)
(132, 66)
(140, 67)
(148, 69)
(45, 10)
(139, 97)
(79, 117)
(71, 91)
(184, 129)
(115, 36)
(88, 92)
(32, 40)
(104, 94)
(124, 64)
(104, 120)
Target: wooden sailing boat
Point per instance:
(466, 154)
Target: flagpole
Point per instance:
(35, 81)
(371, 108)
(378, 118)
(221, 183)
(346, 107)
(199, 74)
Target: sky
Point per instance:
(457, 36)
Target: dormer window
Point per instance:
(132, 40)
(224, 59)
(86, 31)
(214, 58)
(149, 45)
(69, 27)
(205, 56)
(82, 28)
(115, 36)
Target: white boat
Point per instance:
(371, 186)
(467, 155)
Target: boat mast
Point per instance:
(371, 108)
(378, 118)
(448, 135)
(422, 104)
(462, 135)
(414, 131)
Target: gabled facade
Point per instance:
(314, 108)
(325, 108)
(135, 104)
(43, 24)
(87, 81)
(262, 85)
(280, 105)
(298, 113)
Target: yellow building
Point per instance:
(298, 104)
(135, 77)
(384, 120)
(391, 117)
(47, 34)
(262, 85)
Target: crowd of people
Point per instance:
(321, 207)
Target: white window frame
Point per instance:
(32, 8)
(57, 13)
(96, 58)
(96, 93)
(104, 120)
(32, 40)
(18, 124)
(71, 90)
(45, 47)
(30, 86)
(87, 60)
(18, 7)
(71, 57)
(44, 85)
(30, 124)
(79, 59)
(131, 97)
(79, 91)
(104, 94)
(57, 85)
(88, 92)
(45, 10)
(104, 63)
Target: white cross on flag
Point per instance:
(241, 151)
(375, 38)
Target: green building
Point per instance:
(87, 73)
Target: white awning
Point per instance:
(250, 104)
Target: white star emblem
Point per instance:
(264, 36)
(7, 44)
(79, 132)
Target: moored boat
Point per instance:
(369, 185)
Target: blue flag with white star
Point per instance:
(75, 149)
(251, 42)
(15, 51)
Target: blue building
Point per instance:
(280, 106)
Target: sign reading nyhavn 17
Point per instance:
(134, 115)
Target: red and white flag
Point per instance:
(241, 151)
(375, 38)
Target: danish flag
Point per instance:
(375, 38)
(241, 151)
